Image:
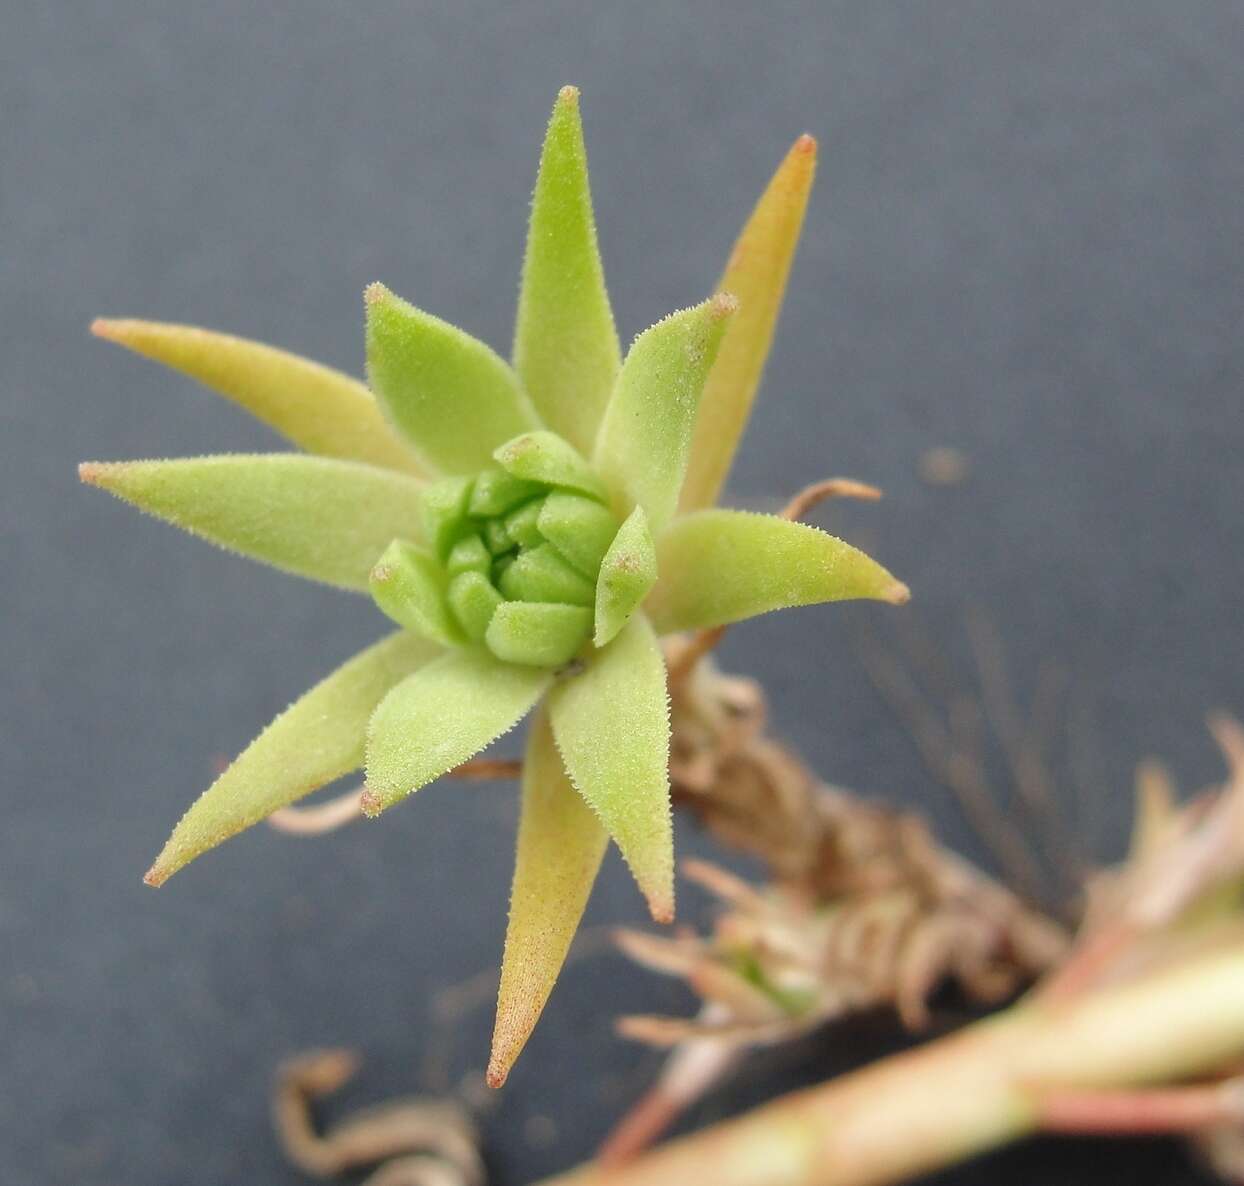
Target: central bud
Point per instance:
(525, 558)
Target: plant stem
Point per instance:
(966, 1093)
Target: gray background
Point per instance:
(1027, 241)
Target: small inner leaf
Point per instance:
(565, 344)
(444, 508)
(560, 846)
(545, 457)
(439, 717)
(538, 633)
(497, 491)
(469, 555)
(409, 585)
(627, 572)
(540, 574)
(723, 566)
(641, 451)
(319, 518)
(314, 741)
(473, 600)
(611, 722)
(579, 528)
(453, 398)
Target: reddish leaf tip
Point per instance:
(105, 327)
(723, 304)
(375, 292)
(90, 472)
(897, 594)
(568, 94)
(661, 908)
(369, 803)
(155, 876)
(806, 145)
(496, 1074)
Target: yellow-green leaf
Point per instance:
(315, 740)
(756, 274)
(319, 409)
(627, 572)
(317, 517)
(722, 566)
(442, 715)
(611, 722)
(560, 846)
(546, 458)
(565, 344)
(538, 633)
(453, 398)
(641, 451)
(409, 586)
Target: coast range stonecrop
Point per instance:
(532, 527)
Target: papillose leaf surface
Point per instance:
(439, 717)
(319, 518)
(317, 739)
(565, 344)
(611, 723)
(723, 566)
(317, 408)
(560, 846)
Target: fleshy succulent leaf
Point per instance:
(627, 573)
(644, 439)
(579, 528)
(314, 741)
(473, 601)
(319, 409)
(611, 722)
(540, 574)
(538, 633)
(453, 397)
(565, 343)
(721, 566)
(409, 586)
(756, 274)
(545, 457)
(560, 846)
(320, 518)
(439, 717)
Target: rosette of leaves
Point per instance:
(533, 528)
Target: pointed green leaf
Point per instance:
(723, 566)
(611, 722)
(627, 572)
(560, 846)
(452, 397)
(538, 633)
(438, 718)
(642, 448)
(319, 518)
(565, 344)
(409, 586)
(546, 458)
(315, 740)
(756, 274)
(319, 409)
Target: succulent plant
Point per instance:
(533, 529)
